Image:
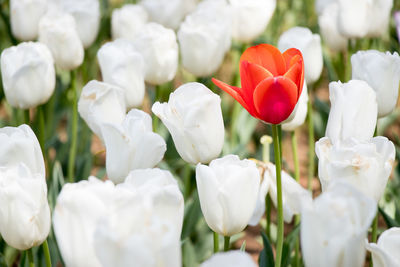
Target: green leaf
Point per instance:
(191, 217)
(266, 256)
(288, 246)
(243, 246)
(390, 222)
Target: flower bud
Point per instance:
(159, 49)
(228, 190)
(24, 213)
(205, 37)
(127, 21)
(384, 253)
(353, 111)
(25, 16)
(234, 258)
(87, 17)
(58, 32)
(366, 165)
(250, 18)
(168, 13)
(131, 145)
(382, 72)
(123, 66)
(193, 116)
(101, 103)
(354, 18)
(28, 75)
(334, 227)
(309, 45)
(379, 17)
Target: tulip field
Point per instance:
(199, 133)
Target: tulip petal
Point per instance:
(295, 67)
(235, 92)
(275, 99)
(266, 56)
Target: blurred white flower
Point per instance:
(300, 112)
(379, 17)
(250, 18)
(366, 165)
(234, 258)
(294, 196)
(334, 227)
(228, 190)
(353, 111)
(385, 252)
(354, 17)
(25, 16)
(58, 32)
(155, 209)
(193, 117)
(205, 37)
(123, 66)
(131, 145)
(101, 103)
(328, 25)
(28, 74)
(382, 72)
(159, 49)
(78, 210)
(87, 17)
(309, 45)
(24, 213)
(127, 21)
(168, 13)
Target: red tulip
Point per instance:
(271, 82)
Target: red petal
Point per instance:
(293, 57)
(267, 56)
(275, 99)
(235, 92)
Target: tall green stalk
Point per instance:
(46, 250)
(216, 242)
(30, 258)
(41, 130)
(227, 240)
(297, 178)
(311, 143)
(266, 142)
(74, 129)
(277, 153)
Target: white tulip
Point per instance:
(155, 209)
(193, 117)
(328, 25)
(234, 258)
(131, 145)
(168, 13)
(354, 17)
(28, 74)
(205, 38)
(366, 165)
(101, 103)
(58, 32)
(385, 252)
(123, 66)
(250, 18)
(228, 190)
(25, 16)
(300, 111)
(294, 196)
(159, 49)
(379, 17)
(87, 17)
(127, 21)
(353, 111)
(79, 208)
(334, 226)
(24, 214)
(309, 45)
(382, 72)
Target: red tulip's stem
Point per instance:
(277, 153)
(297, 178)
(74, 129)
(216, 242)
(311, 144)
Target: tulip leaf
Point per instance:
(243, 246)
(191, 217)
(390, 222)
(288, 245)
(266, 256)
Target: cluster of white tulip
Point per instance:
(341, 20)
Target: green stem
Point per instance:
(27, 119)
(30, 258)
(266, 142)
(46, 253)
(268, 216)
(74, 129)
(227, 240)
(311, 144)
(216, 242)
(277, 153)
(297, 178)
(41, 132)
